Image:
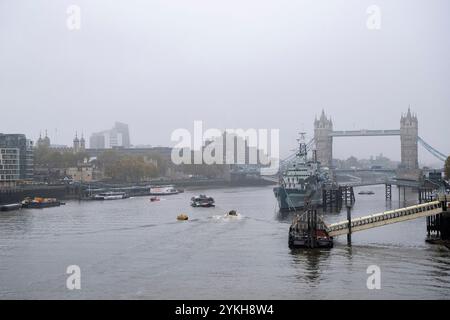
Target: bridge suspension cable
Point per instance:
(433, 151)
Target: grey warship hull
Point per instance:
(294, 199)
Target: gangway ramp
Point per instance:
(388, 217)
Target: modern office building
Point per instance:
(118, 136)
(16, 159)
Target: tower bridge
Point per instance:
(408, 132)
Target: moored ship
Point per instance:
(39, 203)
(302, 182)
(163, 190)
(110, 196)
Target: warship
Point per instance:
(301, 182)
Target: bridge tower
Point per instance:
(409, 132)
(324, 141)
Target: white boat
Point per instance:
(163, 190)
(110, 196)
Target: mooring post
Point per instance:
(349, 219)
(314, 228)
(404, 194)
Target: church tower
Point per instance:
(324, 141)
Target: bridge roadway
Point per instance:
(389, 217)
(364, 133)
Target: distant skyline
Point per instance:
(160, 65)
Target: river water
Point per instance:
(136, 249)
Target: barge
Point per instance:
(309, 231)
(39, 203)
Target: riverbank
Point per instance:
(77, 191)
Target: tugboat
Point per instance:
(302, 179)
(39, 203)
(202, 201)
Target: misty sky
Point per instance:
(160, 65)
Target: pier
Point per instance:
(388, 217)
(306, 228)
(335, 196)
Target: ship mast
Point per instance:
(302, 148)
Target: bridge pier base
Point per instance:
(388, 192)
(425, 195)
(400, 194)
(438, 226)
(349, 219)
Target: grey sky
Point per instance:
(160, 65)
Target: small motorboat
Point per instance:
(10, 207)
(363, 192)
(202, 201)
(232, 213)
(153, 199)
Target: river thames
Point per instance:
(136, 249)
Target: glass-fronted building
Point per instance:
(16, 158)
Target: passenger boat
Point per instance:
(163, 190)
(39, 203)
(110, 196)
(202, 201)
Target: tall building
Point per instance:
(118, 136)
(16, 158)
